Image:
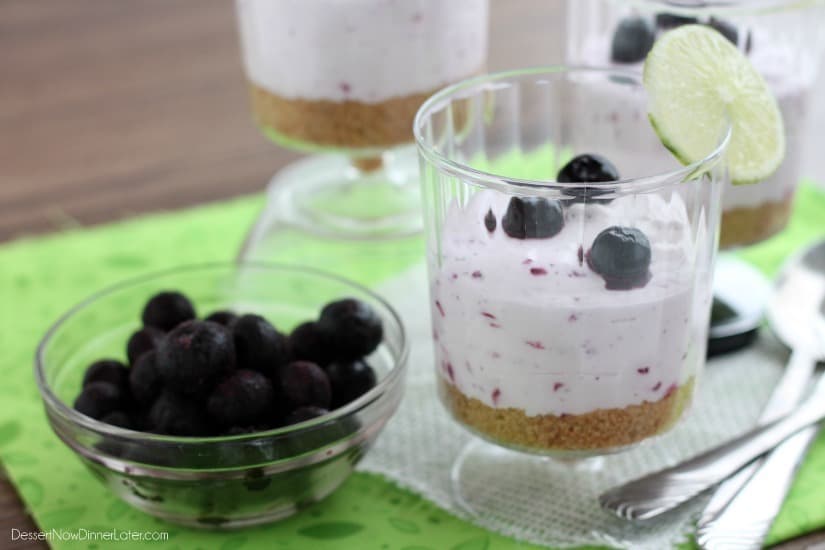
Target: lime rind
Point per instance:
(698, 83)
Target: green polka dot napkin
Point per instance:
(40, 278)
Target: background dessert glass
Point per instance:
(347, 78)
(535, 351)
(783, 40)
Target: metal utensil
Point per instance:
(660, 491)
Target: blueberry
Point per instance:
(143, 340)
(671, 20)
(309, 342)
(302, 414)
(144, 379)
(354, 327)
(108, 370)
(305, 383)
(99, 399)
(173, 414)
(242, 398)
(726, 29)
(222, 317)
(490, 221)
(166, 310)
(532, 218)
(192, 357)
(621, 255)
(349, 381)
(632, 40)
(119, 419)
(258, 345)
(588, 168)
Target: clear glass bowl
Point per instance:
(535, 350)
(784, 41)
(218, 482)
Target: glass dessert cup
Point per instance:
(344, 80)
(783, 40)
(536, 352)
(217, 482)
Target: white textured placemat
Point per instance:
(549, 504)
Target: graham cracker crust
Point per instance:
(744, 226)
(601, 429)
(344, 124)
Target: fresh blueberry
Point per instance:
(490, 221)
(143, 340)
(144, 379)
(173, 414)
(166, 310)
(672, 20)
(588, 168)
(309, 342)
(302, 414)
(305, 383)
(354, 327)
(192, 357)
(99, 399)
(222, 317)
(242, 398)
(632, 40)
(532, 218)
(119, 419)
(108, 370)
(349, 381)
(726, 29)
(258, 345)
(621, 255)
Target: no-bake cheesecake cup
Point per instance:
(784, 41)
(538, 347)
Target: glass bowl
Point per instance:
(218, 482)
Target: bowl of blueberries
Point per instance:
(223, 395)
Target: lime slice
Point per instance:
(696, 82)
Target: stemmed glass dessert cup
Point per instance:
(569, 319)
(784, 41)
(344, 80)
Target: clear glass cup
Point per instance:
(546, 345)
(784, 41)
(347, 77)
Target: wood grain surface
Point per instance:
(110, 109)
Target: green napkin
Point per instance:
(40, 278)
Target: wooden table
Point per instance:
(111, 109)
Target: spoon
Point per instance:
(792, 310)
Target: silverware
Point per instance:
(741, 512)
(661, 491)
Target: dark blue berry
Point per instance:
(99, 399)
(222, 317)
(108, 370)
(258, 345)
(632, 40)
(349, 381)
(144, 379)
(174, 414)
(141, 341)
(672, 20)
(309, 342)
(588, 168)
(119, 419)
(621, 255)
(726, 29)
(304, 383)
(194, 356)
(241, 399)
(166, 310)
(532, 218)
(354, 327)
(302, 414)
(490, 221)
